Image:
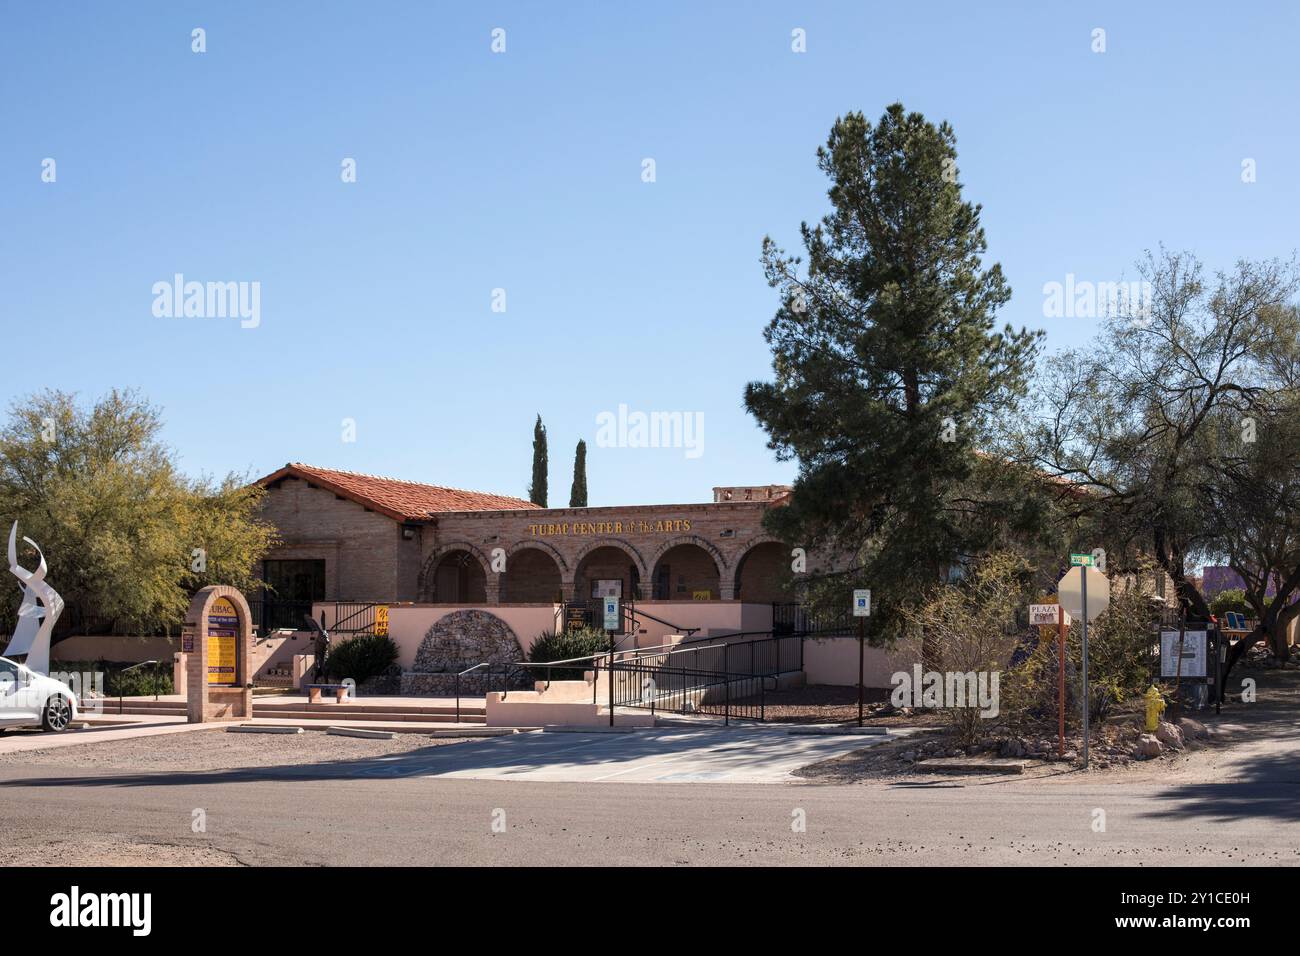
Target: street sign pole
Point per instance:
(862, 642)
(1083, 574)
(861, 610)
(1060, 680)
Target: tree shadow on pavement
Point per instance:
(517, 754)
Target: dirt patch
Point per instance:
(122, 853)
(218, 750)
(827, 704)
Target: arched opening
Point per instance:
(604, 570)
(531, 576)
(457, 578)
(761, 574)
(686, 572)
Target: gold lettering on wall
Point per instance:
(586, 529)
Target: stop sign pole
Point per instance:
(1067, 591)
(1083, 573)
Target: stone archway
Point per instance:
(606, 560)
(533, 574)
(762, 573)
(456, 573)
(687, 568)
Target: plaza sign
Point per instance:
(1045, 615)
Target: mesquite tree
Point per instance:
(1152, 421)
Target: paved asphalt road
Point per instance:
(1234, 805)
(316, 816)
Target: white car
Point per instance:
(28, 699)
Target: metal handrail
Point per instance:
(632, 611)
(713, 678)
(131, 668)
(661, 657)
(338, 624)
(467, 670)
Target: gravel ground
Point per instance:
(124, 853)
(825, 704)
(219, 750)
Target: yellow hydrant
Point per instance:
(1155, 707)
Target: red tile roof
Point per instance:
(400, 500)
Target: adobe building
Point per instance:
(354, 537)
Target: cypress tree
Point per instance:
(578, 493)
(537, 488)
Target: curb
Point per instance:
(360, 732)
(261, 729)
(838, 731)
(960, 765)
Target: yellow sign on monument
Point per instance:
(223, 631)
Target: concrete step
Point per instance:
(433, 713)
(330, 712)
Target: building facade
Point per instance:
(353, 537)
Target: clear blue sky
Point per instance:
(523, 171)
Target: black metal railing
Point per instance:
(682, 689)
(722, 677)
(632, 615)
(273, 614)
(353, 617)
(801, 619)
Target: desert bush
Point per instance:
(1121, 645)
(563, 646)
(361, 657)
(971, 627)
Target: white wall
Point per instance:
(834, 660)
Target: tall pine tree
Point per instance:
(578, 493)
(889, 373)
(537, 488)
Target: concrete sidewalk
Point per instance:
(663, 755)
(102, 730)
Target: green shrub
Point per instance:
(138, 682)
(1121, 651)
(361, 657)
(1233, 599)
(566, 646)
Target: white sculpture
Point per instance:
(35, 621)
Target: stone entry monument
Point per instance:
(458, 641)
(217, 642)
